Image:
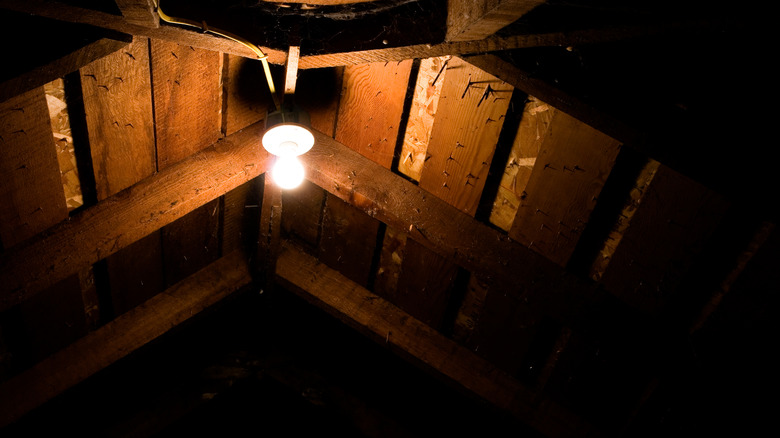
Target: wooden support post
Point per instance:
(291, 70)
(269, 236)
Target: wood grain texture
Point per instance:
(534, 124)
(469, 118)
(235, 215)
(670, 226)
(370, 111)
(469, 20)
(451, 233)
(32, 190)
(120, 125)
(191, 242)
(139, 12)
(302, 218)
(126, 217)
(187, 105)
(570, 171)
(121, 337)
(427, 91)
(385, 323)
(59, 67)
(246, 95)
(194, 38)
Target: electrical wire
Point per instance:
(204, 27)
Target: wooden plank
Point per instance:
(469, 118)
(139, 12)
(191, 242)
(372, 100)
(425, 101)
(32, 190)
(470, 114)
(369, 116)
(571, 169)
(534, 123)
(118, 105)
(57, 68)
(670, 226)
(469, 20)
(302, 219)
(291, 70)
(348, 240)
(246, 97)
(194, 38)
(124, 218)
(187, 106)
(235, 216)
(494, 44)
(445, 229)
(389, 325)
(117, 97)
(121, 337)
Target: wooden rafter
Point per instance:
(387, 324)
(128, 216)
(72, 14)
(469, 20)
(121, 336)
(139, 12)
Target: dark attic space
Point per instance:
(544, 219)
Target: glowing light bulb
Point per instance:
(287, 172)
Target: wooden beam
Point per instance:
(121, 336)
(32, 191)
(391, 326)
(128, 216)
(469, 20)
(291, 70)
(571, 169)
(446, 230)
(269, 242)
(194, 38)
(58, 68)
(495, 44)
(139, 12)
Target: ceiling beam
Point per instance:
(73, 14)
(57, 68)
(469, 20)
(130, 215)
(389, 325)
(495, 44)
(122, 336)
(448, 231)
(139, 12)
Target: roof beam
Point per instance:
(386, 323)
(469, 20)
(448, 231)
(139, 12)
(72, 14)
(130, 215)
(495, 44)
(122, 336)
(57, 68)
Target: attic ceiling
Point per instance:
(546, 218)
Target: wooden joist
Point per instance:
(139, 12)
(194, 38)
(121, 336)
(59, 67)
(446, 230)
(128, 216)
(469, 20)
(387, 324)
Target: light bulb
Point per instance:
(288, 172)
(288, 140)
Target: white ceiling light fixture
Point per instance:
(287, 133)
(287, 136)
